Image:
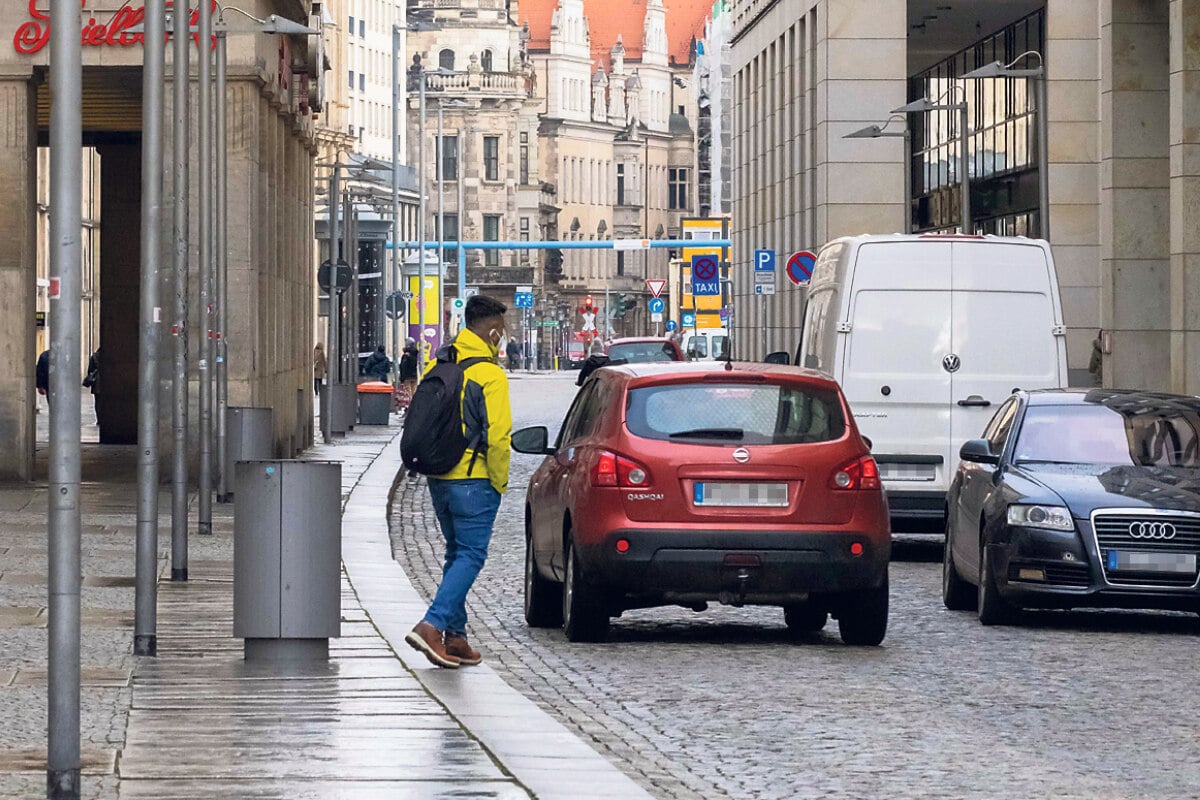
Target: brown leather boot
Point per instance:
(428, 640)
(458, 647)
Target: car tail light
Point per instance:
(862, 473)
(614, 470)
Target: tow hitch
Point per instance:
(746, 564)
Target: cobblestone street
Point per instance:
(725, 704)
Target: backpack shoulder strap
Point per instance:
(470, 362)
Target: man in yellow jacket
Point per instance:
(467, 497)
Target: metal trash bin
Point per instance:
(249, 436)
(345, 408)
(374, 402)
(287, 555)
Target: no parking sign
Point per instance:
(800, 266)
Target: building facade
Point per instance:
(569, 125)
(1119, 81)
(268, 325)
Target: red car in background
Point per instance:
(684, 484)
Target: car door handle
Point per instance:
(975, 401)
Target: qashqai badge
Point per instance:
(1152, 530)
(951, 363)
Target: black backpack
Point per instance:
(433, 441)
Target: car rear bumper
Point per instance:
(733, 566)
(916, 505)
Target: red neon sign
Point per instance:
(34, 34)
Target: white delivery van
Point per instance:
(705, 344)
(928, 334)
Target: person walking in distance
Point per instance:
(513, 354)
(43, 376)
(467, 497)
(379, 366)
(408, 366)
(320, 365)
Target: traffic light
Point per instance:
(630, 304)
(589, 306)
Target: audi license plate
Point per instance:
(1134, 561)
(759, 495)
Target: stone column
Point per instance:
(1185, 194)
(1135, 193)
(18, 264)
(1072, 51)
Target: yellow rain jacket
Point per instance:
(486, 412)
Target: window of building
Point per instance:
(485, 60)
(491, 233)
(352, 25)
(448, 153)
(351, 79)
(524, 137)
(446, 59)
(620, 262)
(677, 188)
(524, 229)
(491, 158)
(620, 184)
(450, 234)
(524, 163)
(362, 82)
(362, 28)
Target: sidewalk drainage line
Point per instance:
(400, 475)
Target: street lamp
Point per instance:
(441, 178)
(924, 105)
(997, 69)
(881, 132)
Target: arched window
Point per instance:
(485, 60)
(446, 59)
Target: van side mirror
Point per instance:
(778, 357)
(534, 441)
(978, 451)
(867, 441)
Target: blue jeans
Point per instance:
(466, 510)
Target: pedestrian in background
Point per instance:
(379, 366)
(466, 498)
(43, 376)
(408, 365)
(513, 354)
(92, 382)
(320, 366)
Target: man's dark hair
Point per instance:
(480, 307)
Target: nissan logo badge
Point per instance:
(742, 455)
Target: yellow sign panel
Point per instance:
(431, 299)
(706, 307)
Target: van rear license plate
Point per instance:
(891, 471)
(760, 495)
(1133, 561)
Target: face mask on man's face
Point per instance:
(495, 335)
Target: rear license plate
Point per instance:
(1134, 561)
(758, 495)
(907, 472)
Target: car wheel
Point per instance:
(804, 617)
(957, 594)
(543, 598)
(863, 619)
(584, 618)
(993, 609)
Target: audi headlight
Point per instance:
(1056, 518)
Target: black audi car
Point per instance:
(1077, 498)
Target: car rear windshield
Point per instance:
(641, 352)
(1137, 435)
(735, 412)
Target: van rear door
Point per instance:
(1006, 333)
(892, 376)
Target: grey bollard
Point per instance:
(344, 408)
(250, 436)
(287, 558)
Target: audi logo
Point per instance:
(1152, 530)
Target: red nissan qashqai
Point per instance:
(680, 484)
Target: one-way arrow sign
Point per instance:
(655, 286)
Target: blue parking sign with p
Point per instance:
(764, 260)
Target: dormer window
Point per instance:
(485, 60)
(446, 59)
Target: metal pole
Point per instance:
(421, 190)
(1043, 124)
(395, 195)
(204, 122)
(222, 277)
(181, 88)
(908, 226)
(331, 328)
(145, 638)
(964, 160)
(462, 216)
(350, 346)
(63, 523)
(441, 263)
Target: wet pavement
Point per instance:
(199, 721)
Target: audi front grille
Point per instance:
(1167, 533)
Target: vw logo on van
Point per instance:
(951, 363)
(1152, 530)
